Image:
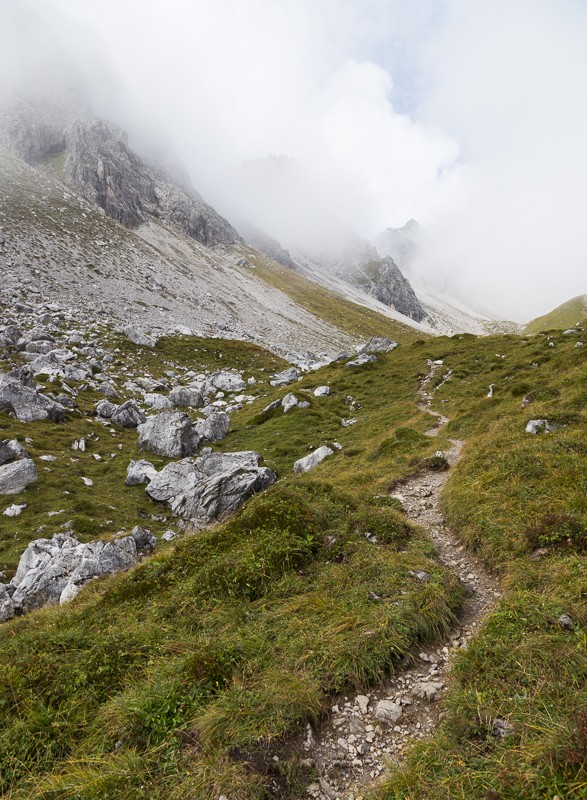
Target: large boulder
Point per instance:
(214, 427)
(16, 476)
(137, 336)
(128, 415)
(25, 403)
(187, 396)
(158, 402)
(53, 570)
(6, 604)
(170, 434)
(139, 472)
(226, 382)
(207, 489)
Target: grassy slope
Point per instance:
(511, 493)
(186, 676)
(567, 315)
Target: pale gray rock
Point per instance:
(170, 434)
(10, 450)
(541, 426)
(139, 472)
(321, 391)
(271, 407)
(53, 570)
(363, 703)
(16, 476)
(128, 415)
(378, 344)
(6, 604)
(168, 536)
(361, 360)
(158, 402)
(501, 728)
(25, 403)
(286, 376)
(289, 401)
(106, 409)
(144, 539)
(227, 382)
(427, 690)
(566, 622)
(187, 397)
(214, 427)
(313, 459)
(207, 489)
(15, 510)
(388, 711)
(137, 336)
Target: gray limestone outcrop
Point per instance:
(208, 489)
(16, 476)
(53, 570)
(25, 403)
(309, 462)
(170, 434)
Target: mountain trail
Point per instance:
(367, 734)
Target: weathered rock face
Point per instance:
(25, 403)
(382, 279)
(103, 169)
(186, 397)
(225, 382)
(10, 450)
(210, 488)
(53, 570)
(170, 434)
(285, 377)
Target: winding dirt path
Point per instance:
(367, 734)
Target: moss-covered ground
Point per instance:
(194, 674)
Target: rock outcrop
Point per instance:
(170, 434)
(53, 570)
(25, 403)
(207, 489)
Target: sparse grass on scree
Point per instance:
(185, 677)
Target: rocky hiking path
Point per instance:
(367, 734)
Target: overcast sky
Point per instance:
(468, 115)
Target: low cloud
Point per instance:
(309, 115)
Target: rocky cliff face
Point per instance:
(382, 279)
(358, 263)
(94, 158)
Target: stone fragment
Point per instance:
(378, 344)
(27, 404)
(361, 360)
(388, 711)
(214, 427)
(186, 397)
(289, 401)
(321, 391)
(285, 377)
(128, 415)
(137, 336)
(313, 459)
(427, 690)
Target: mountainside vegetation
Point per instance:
(567, 315)
(195, 674)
